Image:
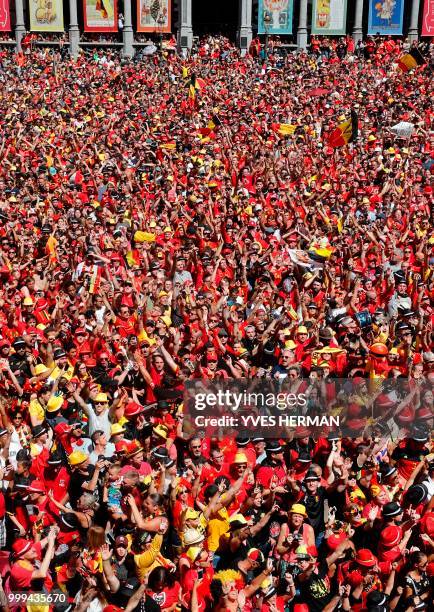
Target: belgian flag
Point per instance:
(283, 129)
(345, 132)
(411, 60)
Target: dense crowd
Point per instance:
(159, 223)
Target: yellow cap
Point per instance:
(166, 320)
(302, 330)
(116, 428)
(193, 552)
(298, 509)
(290, 344)
(161, 430)
(101, 397)
(240, 458)
(77, 457)
(191, 513)
(54, 403)
(40, 369)
(28, 301)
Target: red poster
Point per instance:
(100, 15)
(5, 20)
(428, 18)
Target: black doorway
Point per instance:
(215, 17)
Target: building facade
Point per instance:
(236, 18)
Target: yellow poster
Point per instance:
(46, 15)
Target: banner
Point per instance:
(403, 129)
(154, 16)
(385, 17)
(5, 19)
(329, 17)
(428, 18)
(275, 16)
(100, 15)
(46, 15)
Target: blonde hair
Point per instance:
(95, 537)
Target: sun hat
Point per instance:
(192, 537)
(77, 457)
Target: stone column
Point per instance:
(20, 29)
(185, 30)
(245, 25)
(128, 34)
(74, 31)
(414, 21)
(358, 22)
(302, 26)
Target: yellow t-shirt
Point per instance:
(36, 410)
(217, 526)
(146, 561)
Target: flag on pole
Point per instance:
(411, 60)
(345, 132)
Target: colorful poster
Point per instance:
(275, 16)
(385, 17)
(5, 18)
(46, 15)
(154, 16)
(428, 18)
(329, 17)
(100, 15)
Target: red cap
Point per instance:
(132, 409)
(4, 342)
(36, 486)
(335, 539)
(391, 536)
(121, 446)
(212, 357)
(21, 546)
(80, 331)
(365, 558)
(312, 551)
(426, 524)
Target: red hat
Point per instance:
(36, 486)
(406, 415)
(21, 546)
(212, 357)
(4, 342)
(365, 558)
(312, 551)
(41, 304)
(80, 331)
(122, 446)
(385, 401)
(133, 409)
(134, 447)
(391, 536)
(426, 524)
(335, 539)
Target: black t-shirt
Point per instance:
(314, 505)
(77, 481)
(315, 590)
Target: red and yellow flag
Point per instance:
(411, 60)
(283, 129)
(345, 132)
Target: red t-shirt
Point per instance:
(166, 598)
